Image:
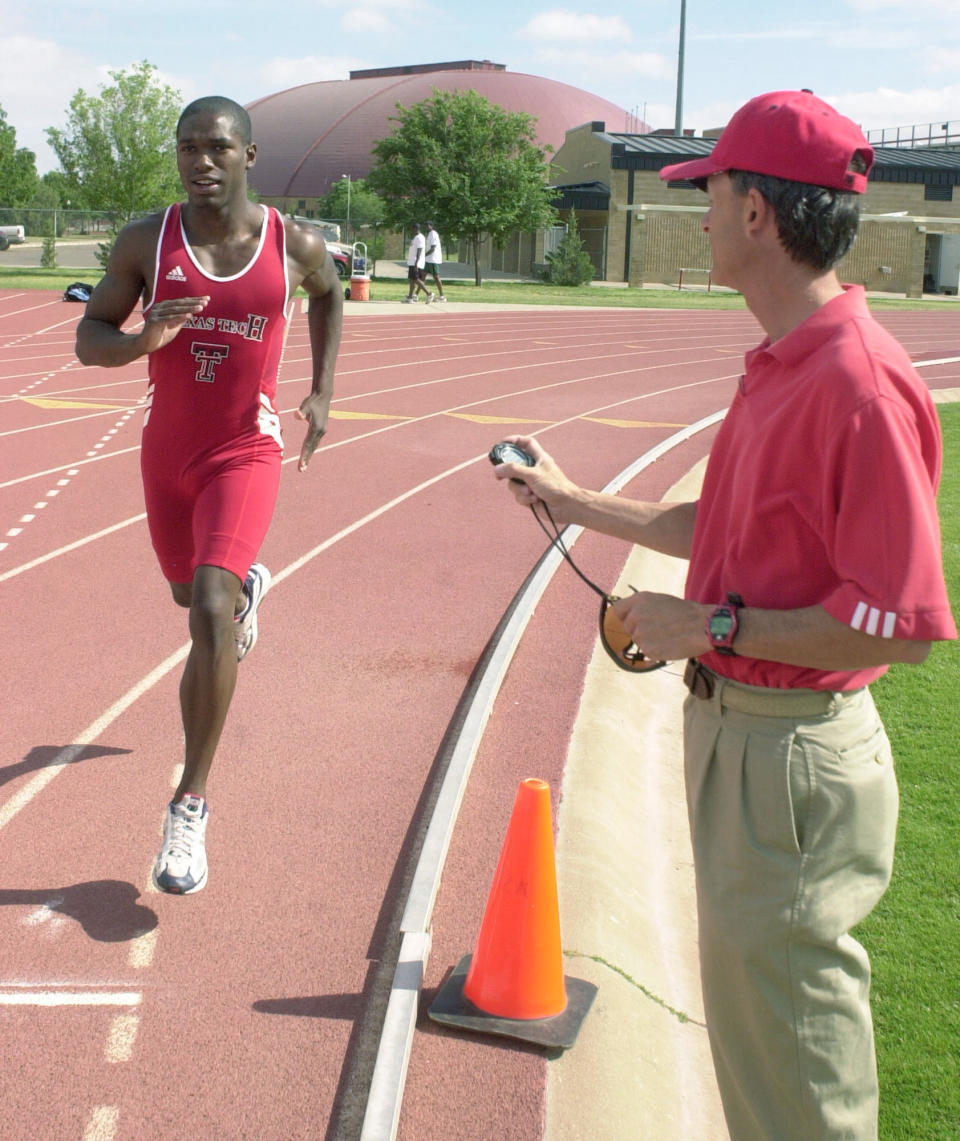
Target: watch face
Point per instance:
(720, 625)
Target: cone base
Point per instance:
(452, 1008)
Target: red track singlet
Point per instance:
(211, 437)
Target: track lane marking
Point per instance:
(66, 467)
(26, 793)
(62, 402)
(41, 559)
(68, 998)
(473, 712)
(69, 754)
(102, 1123)
(121, 1038)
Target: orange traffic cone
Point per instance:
(514, 984)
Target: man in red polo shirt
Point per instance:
(814, 563)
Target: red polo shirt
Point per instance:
(820, 489)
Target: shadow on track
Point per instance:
(107, 910)
(42, 756)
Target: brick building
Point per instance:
(910, 216)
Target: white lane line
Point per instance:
(68, 755)
(585, 415)
(121, 1038)
(63, 467)
(390, 1068)
(68, 998)
(59, 423)
(29, 309)
(102, 1123)
(14, 571)
(142, 950)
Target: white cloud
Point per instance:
(576, 27)
(609, 66)
(365, 22)
(944, 59)
(280, 73)
(916, 9)
(886, 107)
(37, 82)
(400, 6)
(872, 110)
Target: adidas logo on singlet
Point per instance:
(176, 274)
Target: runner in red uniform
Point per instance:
(211, 436)
(216, 276)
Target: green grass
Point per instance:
(497, 292)
(29, 277)
(913, 936)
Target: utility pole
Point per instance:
(678, 122)
(347, 177)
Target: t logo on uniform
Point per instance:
(208, 357)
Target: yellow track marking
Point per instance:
(49, 402)
(634, 423)
(338, 414)
(477, 419)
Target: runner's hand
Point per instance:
(314, 410)
(167, 318)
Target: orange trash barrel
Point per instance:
(359, 288)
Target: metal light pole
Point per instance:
(347, 177)
(678, 122)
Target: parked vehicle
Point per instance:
(340, 259)
(11, 236)
(340, 253)
(330, 230)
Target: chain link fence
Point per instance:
(60, 223)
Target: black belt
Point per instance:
(705, 684)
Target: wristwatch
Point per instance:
(723, 624)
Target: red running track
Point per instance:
(252, 1010)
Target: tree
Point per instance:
(118, 149)
(470, 166)
(18, 168)
(570, 264)
(354, 200)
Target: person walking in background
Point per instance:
(216, 276)
(415, 263)
(815, 562)
(433, 259)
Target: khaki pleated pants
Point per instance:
(793, 821)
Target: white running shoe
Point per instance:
(181, 867)
(255, 586)
(410, 300)
(442, 297)
(429, 298)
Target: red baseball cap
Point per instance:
(786, 134)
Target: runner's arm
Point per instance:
(100, 338)
(318, 277)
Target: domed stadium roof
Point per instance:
(311, 136)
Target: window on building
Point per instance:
(938, 193)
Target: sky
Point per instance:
(884, 63)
